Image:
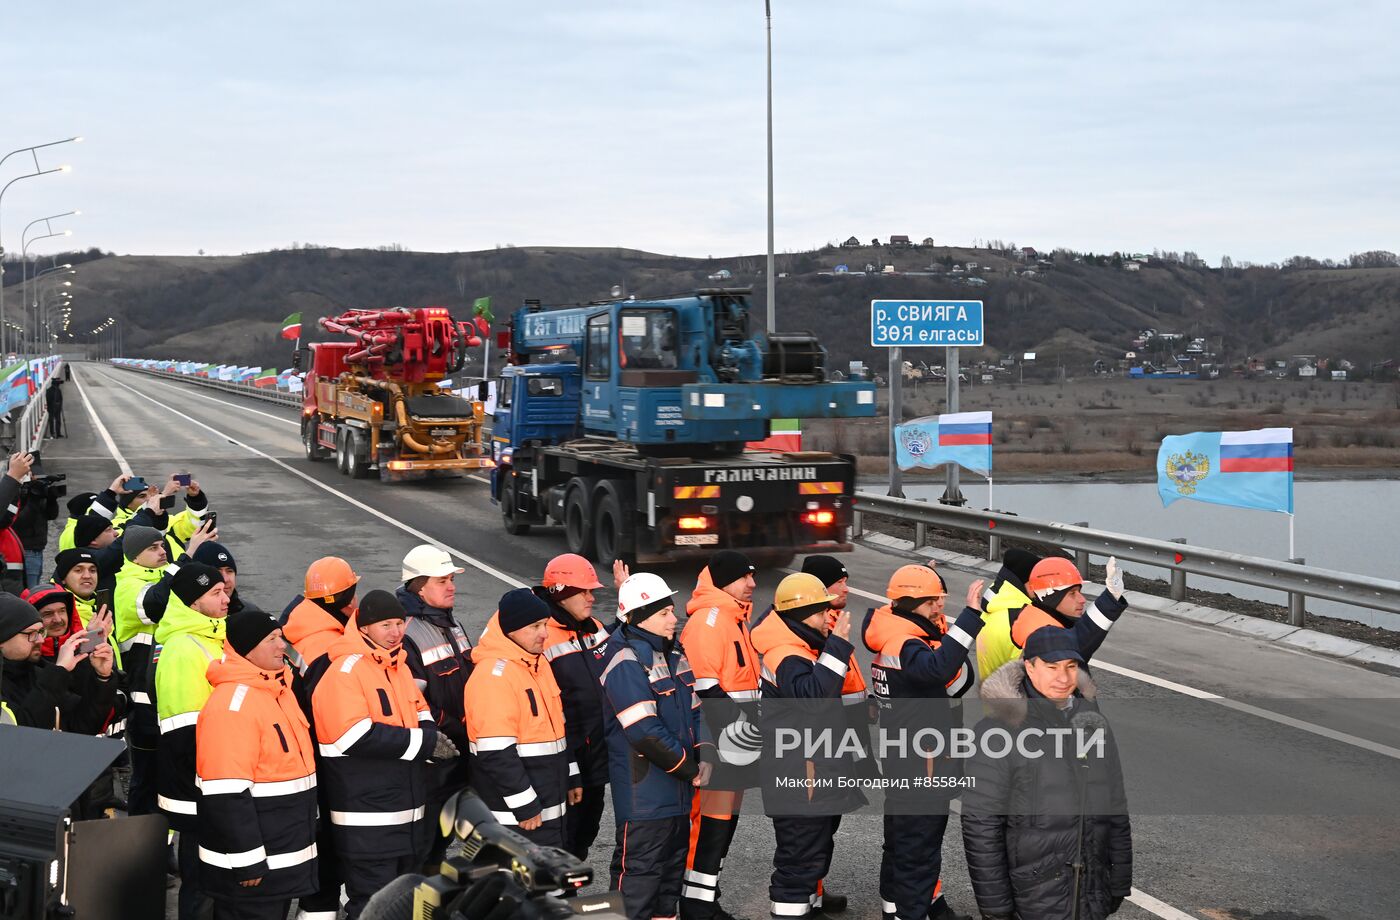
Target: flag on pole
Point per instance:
(291, 326)
(784, 434)
(482, 308)
(1246, 469)
(964, 438)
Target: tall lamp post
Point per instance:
(41, 302)
(24, 258)
(772, 279)
(38, 171)
(24, 245)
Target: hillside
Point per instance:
(230, 307)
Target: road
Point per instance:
(1265, 783)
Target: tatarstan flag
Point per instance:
(291, 326)
(784, 434)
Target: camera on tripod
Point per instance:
(499, 873)
(54, 485)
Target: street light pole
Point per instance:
(24, 268)
(772, 279)
(38, 171)
(41, 319)
(24, 280)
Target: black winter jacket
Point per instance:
(575, 652)
(1022, 820)
(43, 695)
(438, 652)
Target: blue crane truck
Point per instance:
(626, 421)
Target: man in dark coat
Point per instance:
(1047, 838)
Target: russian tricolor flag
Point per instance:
(1266, 450)
(961, 429)
(963, 438)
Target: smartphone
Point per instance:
(213, 519)
(135, 484)
(91, 641)
(167, 502)
(183, 479)
(103, 598)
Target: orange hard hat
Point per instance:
(328, 576)
(570, 571)
(915, 581)
(1054, 573)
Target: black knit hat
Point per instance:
(377, 606)
(828, 568)
(89, 528)
(65, 561)
(16, 615)
(519, 608)
(728, 566)
(247, 628)
(79, 504)
(193, 581)
(215, 554)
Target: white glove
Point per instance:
(1113, 578)
(444, 749)
(740, 743)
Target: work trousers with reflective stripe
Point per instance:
(193, 903)
(325, 903)
(647, 863)
(250, 909)
(800, 861)
(363, 877)
(710, 837)
(581, 821)
(911, 863)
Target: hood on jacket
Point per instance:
(773, 631)
(1006, 695)
(180, 619)
(133, 570)
(234, 668)
(707, 595)
(306, 618)
(352, 642)
(884, 626)
(495, 644)
(415, 606)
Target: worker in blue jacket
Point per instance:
(659, 749)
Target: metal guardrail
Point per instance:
(1177, 558)
(34, 420)
(227, 386)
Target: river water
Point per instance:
(1352, 526)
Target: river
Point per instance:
(1351, 526)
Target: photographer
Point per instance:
(73, 693)
(38, 504)
(11, 548)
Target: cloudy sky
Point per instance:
(1253, 129)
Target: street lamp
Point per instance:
(38, 171)
(24, 246)
(24, 258)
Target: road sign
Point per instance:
(899, 323)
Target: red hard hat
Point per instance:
(1052, 574)
(570, 571)
(328, 576)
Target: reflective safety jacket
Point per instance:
(312, 632)
(141, 598)
(520, 759)
(574, 651)
(994, 645)
(105, 504)
(6, 717)
(438, 653)
(257, 784)
(799, 664)
(721, 654)
(1090, 629)
(657, 735)
(375, 732)
(189, 642)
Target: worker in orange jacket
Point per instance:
(726, 668)
(1057, 599)
(256, 773)
(376, 732)
(313, 624)
(520, 757)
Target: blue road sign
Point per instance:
(926, 322)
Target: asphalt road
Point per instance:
(1265, 783)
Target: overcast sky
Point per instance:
(1254, 129)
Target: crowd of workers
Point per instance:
(304, 753)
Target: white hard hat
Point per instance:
(429, 560)
(641, 590)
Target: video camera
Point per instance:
(498, 874)
(54, 485)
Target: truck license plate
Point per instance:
(697, 539)
(442, 432)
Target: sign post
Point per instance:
(952, 324)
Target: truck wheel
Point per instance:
(608, 530)
(314, 451)
(356, 463)
(578, 527)
(510, 514)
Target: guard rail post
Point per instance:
(920, 531)
(1296, 611)
(1081, 556)
(857, 524)
(993, 546)
(1178, 591)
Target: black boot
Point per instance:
(942, 910)
(832, 903)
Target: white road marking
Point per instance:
(102, 429)
(470, 560)
(1160, 908)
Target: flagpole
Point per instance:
(991, 505)
(1291, 554)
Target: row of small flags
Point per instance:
(289, 380)
(1243, 469)
(23, 380)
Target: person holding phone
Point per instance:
(11, 547)
(74, 693)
